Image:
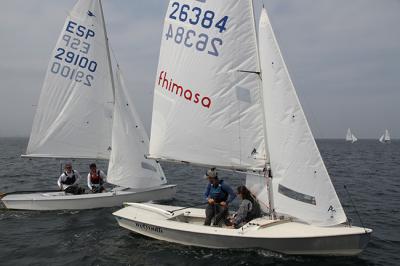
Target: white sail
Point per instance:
(301, 185)
(382, 139)
(258, 186)
(130, 144)
(349, 135)
(207, 98)
(74, 114)
(387, 135)
(353, 138)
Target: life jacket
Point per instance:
(255, 211)
(96, 180)
(217, 193)
(70, 179)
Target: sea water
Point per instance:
(369, 169)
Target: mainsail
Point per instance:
(130, 144)
(207, 97)
(349, 135)
(74, 114)
(385, 137)
(301, 184)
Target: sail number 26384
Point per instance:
(196, 16)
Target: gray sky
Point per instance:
(343, 57)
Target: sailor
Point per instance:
(96, 179)
(249, 208)
(68, 181)
(218, 195)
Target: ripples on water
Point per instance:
(92, 237)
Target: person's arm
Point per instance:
(242, 212)
(230, 192)
(89, 184)
(59, 181)
(207, 192)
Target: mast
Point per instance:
(267, 170)
(108, 51)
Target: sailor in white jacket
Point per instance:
(68, 180)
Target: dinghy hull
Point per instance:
(285, 237)
(62, 201)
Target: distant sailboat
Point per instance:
(385, 138)
(350, 136)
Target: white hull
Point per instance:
(288, 237)
(62, 201)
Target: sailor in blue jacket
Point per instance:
(218, 195)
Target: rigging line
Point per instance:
(240, 137)
(354, 206)
(107, 41)
(250, 72)
(196, 205)
(114, 55)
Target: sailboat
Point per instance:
(350, 136)
(85, 112)
(385, 138)
(223, 99)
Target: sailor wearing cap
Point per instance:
(218, 195)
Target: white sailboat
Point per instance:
(84, 112)
(385, 138)
(222, 99)
(350, 136)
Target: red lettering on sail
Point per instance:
(175, 89)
